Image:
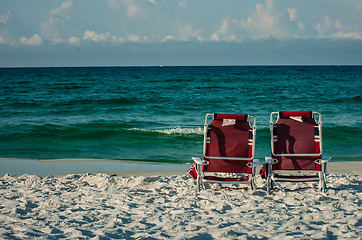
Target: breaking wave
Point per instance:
(171, 131)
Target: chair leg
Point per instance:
(252, 181)
(198, 183)
(269, 184)
(199, 179)
(252, 185)
(324, 184)
(323, 178)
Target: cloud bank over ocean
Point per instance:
(262, 52)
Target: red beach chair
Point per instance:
(296, 149)
(228, 151)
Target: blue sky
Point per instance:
(180, 32)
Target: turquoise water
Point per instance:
(156, 114)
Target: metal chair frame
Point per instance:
(322, 161)
(199, 163)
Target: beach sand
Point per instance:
(163, 205)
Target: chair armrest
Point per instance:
(323, 160)
(197, 160)
(326, 159)
(253, 164)
(270, 160)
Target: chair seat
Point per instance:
(296, 149)
(304, 178)
(226, 179)
(228, 151)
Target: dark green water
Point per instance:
(156, 114)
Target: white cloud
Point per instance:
(224, 28)
(224, 32)
(95, 37)
(324, 26)
(92, 36)
(34, 40)
(74, 40)
(5, 17)
(49, 29)
(131, 7)
(107, 37)
(135, 38)
(264, 21)
(348, 35)
(338, 24)
(293, 17)
(300, 25)
(292, 14)
(65, 5)
(152, 1)
(328, 27)
(56, 41)
(215, 37)
(132, 10)
(168, 38)
(2, 40)
(182, 3)
(118, 39)
(187, 32)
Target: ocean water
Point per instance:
(156, 114)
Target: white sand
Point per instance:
(99, 206)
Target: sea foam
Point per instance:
(170, 131)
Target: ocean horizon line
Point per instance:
(165, 66)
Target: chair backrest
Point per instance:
(229, 143)
(296, 141)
